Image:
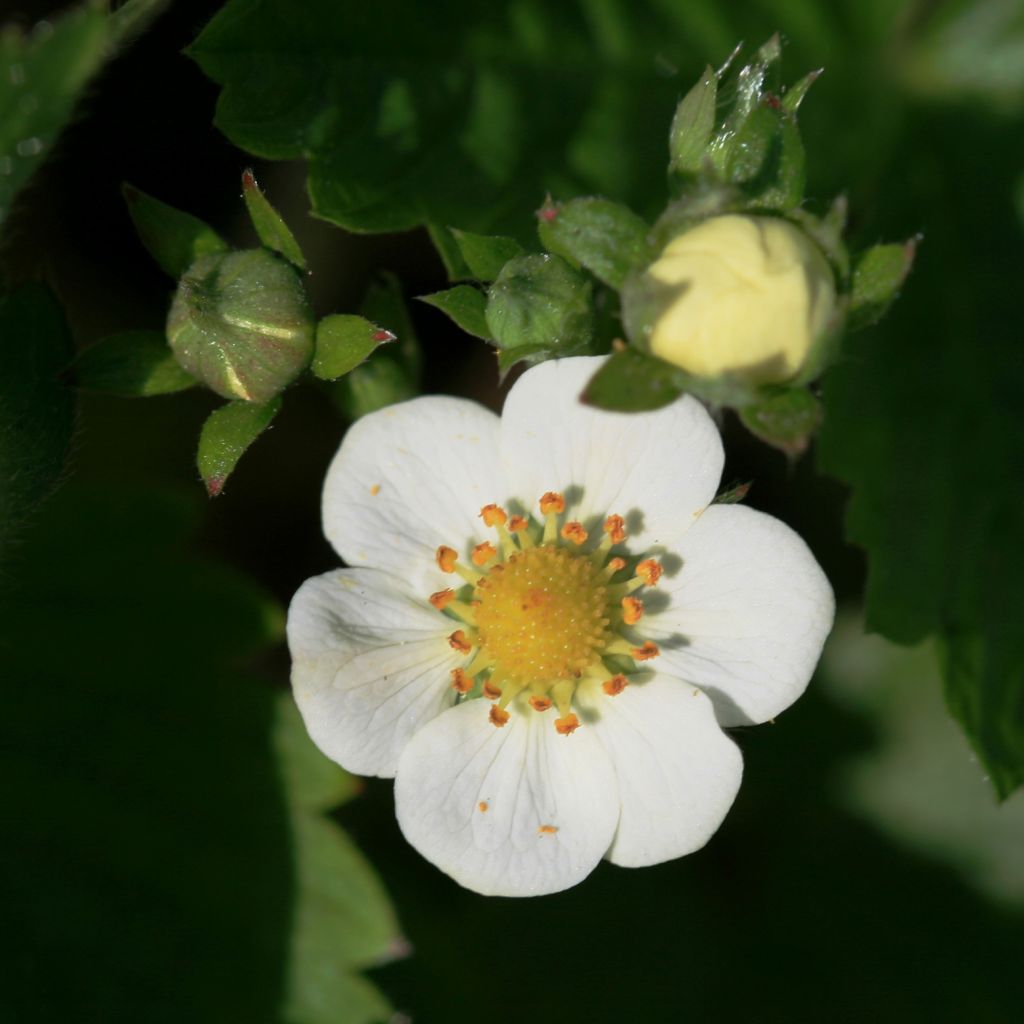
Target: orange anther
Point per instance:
(493, 515)
(446, 558)
(645, 652)
(483, 553)
(547, 830)
(442, 598)
(482, 806)
(517, 523)
(552, 502)
(491, 692)
(540, 703)
(615, 564)
(459, 642)
(574, 531)
(632, 610)
(375, 490)
(614, 686)
(462, 682)
(498, 716)
(567, 724)
(615, 527)
(649, 571)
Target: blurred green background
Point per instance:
(169, 856)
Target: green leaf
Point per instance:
(343, 342)
(541, 304)
(131, 364)
(342, 921)
(466, 305)
(161, 802)
(485, 255)
(226, 434)
(413, 114)
(878, 275)
(41, 76)
(36, 408)
(630, 381)
(605, 237)
(173, 238)
(692, 125)
(786, 420)
(270, 226)
(924, 424)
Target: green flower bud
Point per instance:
(241, 323)
(746, 297)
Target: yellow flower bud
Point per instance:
(746, 296)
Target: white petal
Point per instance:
(408, 479)
(529, 780)
(662, 466)
(746, 615)
(678, 773)
(370, 666)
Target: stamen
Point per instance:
(632, 610)
(446, 558)
(567, 724)
(498, 716)
(614, 686)
(574, 531)
(491, 690)
(442, 598)
(517, 523)
(613, 566)
(460, 642)
(462, 682)
(482, 806)
(562, 693)
(552, 503)
(615, 528)
(540, 703)
(650, 572)
(547, 830)
(645, 652)
(483, 553)
(493, 515)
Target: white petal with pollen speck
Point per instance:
(408, 479)
(552, 803)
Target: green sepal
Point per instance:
(878, 275)
(692, 125)
(131, 364)
(392, 372)
(605, 237)
(173, 238)
(485, 255)
(268, 223)
(734, 494)
(343, 342)
(448, 249)
(541, 307)
(630, 381)
(786, 420)
(795, 94)
(465, 305)
(226, 434)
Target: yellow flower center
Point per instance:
(542, 612)
(541, 615)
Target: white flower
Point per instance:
(548, 681)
